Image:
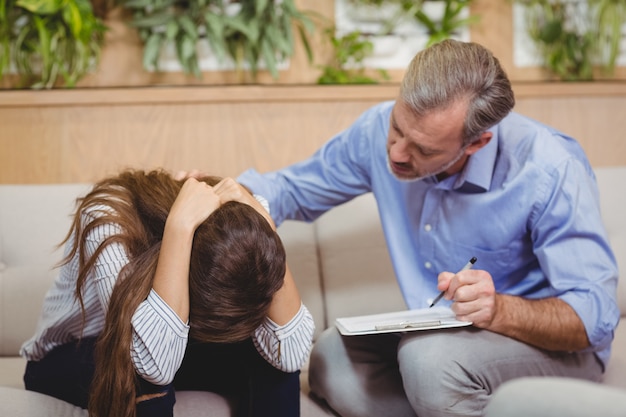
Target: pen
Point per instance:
(466, 267)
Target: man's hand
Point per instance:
(549, 323)
(473, 293)
(194, 173)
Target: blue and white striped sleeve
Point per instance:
(159, 340)
(286, 347)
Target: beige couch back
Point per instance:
(33, 220)
(340, 262)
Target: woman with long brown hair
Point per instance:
(170, 285)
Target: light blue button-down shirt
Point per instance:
(526, 205)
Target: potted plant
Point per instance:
(247, 32)
(346, 64)
(47, 42)
(444, 19)
(574, 36)
(611, 19)
(409, 26)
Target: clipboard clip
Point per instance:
(408, 325)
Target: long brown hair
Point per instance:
(237, 264)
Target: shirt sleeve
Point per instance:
(572, 247)
(159, 340)
(159, 336)
(336, 173)
(286, 347)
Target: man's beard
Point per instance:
(438, 171)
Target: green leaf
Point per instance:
(188, 26)
(171, 30)
(234, 24)
(551, 31)
(215, 35)
(278, 41)
(269, 58)
(426, 21)
(73, 19)
(153, 20)
(260, 6)
(214, 24)
(44, 48)
(151, 51)
(3, 12)
(41, 6)
(306, 43)
(137, 4)
(186, 52)
(187, 47)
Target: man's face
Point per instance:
(420, 147)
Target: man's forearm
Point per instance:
(549, 324)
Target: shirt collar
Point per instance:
(477, 173)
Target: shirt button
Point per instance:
(428, 227)
(428, 265)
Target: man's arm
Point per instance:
(548, 323)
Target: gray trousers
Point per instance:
(429, 373)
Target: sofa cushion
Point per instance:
(299, 241)
(34, 220)
(357, 274)
(12, 374)
(22, 290)
(201, 403)
(19, 403)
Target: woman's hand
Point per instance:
(194, 203)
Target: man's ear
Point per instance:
(475, 146)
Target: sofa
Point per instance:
(340, 263)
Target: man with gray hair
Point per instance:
(457, 174)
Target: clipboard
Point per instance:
(400, 321)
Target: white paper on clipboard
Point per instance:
(400, 321)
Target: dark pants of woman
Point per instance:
(236, 371)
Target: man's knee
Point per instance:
(437, 378)
(321, 360)
(332, 375)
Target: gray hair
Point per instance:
(452, 70)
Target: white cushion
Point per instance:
(356, 269)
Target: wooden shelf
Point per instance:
(81, 135)
(260, 93)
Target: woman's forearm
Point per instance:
(286, 302)
(171, 280)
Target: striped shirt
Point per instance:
(159, 335)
